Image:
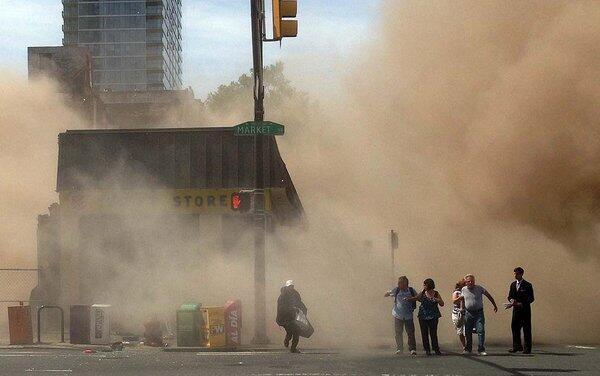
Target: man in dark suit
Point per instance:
(520, 296)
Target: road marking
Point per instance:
(306, 374)
(49, 370)
(582, 347)
(240, 353)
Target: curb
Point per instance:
(222, 349)
(97, 348)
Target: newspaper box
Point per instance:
(189, 325)
(79, 324)
(233, 323)
(100, 324)
(214, 326)
(19, 325)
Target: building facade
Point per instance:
(134, 44)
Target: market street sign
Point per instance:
(253, 128)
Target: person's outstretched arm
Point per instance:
(487, 294)
(417, 297)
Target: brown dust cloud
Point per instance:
(471, 128)
(468, 127)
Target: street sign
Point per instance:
(253, 128)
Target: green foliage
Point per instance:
(237, 97)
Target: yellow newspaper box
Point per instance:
(214, 326)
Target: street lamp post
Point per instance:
(260, 329)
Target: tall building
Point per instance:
(134, 44)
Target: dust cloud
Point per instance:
(471, 128)
(31, 116)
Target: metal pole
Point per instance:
(260, 327)
(392, 253)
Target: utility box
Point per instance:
(233, 323)
(189, 326)
(100, 324)
(214, 326)
(19, 325)
(79, 324)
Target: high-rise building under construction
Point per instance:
(134, 44)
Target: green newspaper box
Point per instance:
(189, 326)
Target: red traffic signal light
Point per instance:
(241, 201)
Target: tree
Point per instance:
(234, 101)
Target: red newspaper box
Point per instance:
(19, 325)
(233, 323)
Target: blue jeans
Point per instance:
(475, 320)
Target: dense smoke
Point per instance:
(502, 98)
(471, 127)
(31, 116)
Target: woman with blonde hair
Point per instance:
(458, 312)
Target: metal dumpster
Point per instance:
(189, 325)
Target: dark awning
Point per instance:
(178, 158)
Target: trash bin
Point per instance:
(19, 325)
(189, 325)
(233, 323)
(79, 324)
(214, 326)
(153, 335)
(100, 324)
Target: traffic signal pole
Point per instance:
(260, 328)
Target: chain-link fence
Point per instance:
(15, 289)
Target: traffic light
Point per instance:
(282, 26)
(241, 201)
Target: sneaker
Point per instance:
(482, 353)
(465, 352)
(398, 352)
(438, 352)
(428, 353)
(295, 351)
(512, 351)
(413, 352)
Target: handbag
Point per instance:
(305, 329)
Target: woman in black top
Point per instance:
(429, 315)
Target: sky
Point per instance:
(216, 38)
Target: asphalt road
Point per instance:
(546, 361)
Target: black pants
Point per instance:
(429, 329)
(521, 319)
(291, 332)
(400, 326)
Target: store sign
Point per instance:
(182, 201)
